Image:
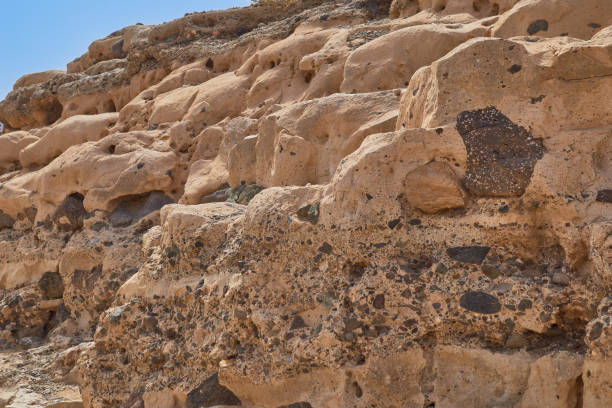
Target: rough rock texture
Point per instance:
(398, 203)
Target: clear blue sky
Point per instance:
(37, 35)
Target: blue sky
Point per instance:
(37, 35)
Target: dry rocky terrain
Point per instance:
(324, 204)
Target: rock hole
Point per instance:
(210, 64)
(111, 149)
(272, 64)
(308, 77)
(109, 106)
(357, 389)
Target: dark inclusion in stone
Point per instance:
(480, 302)
(211, 393)
(500, 154)
(469, 254)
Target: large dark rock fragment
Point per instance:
(51, 285)
(70, 213)
(480, 302)
(500, 154)
(469, 254)
(210, 394)
(604, 196)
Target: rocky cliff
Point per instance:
(321, 204)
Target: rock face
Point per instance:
(324, 204)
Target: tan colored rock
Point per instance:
(452, 8)
(390, 61)
(242, 162)
(73, 131)
(36, 78)
(478, 378)
(11, 144)
(433, 187)
(118, 165)
(554, 381)
(207, 176)
(551, 18)
(303, 143)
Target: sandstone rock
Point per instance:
(554, 380)
(444, 242)
(304, 143)
(551, 18)
(494, 379)
(73, 131)
(11, 144)
(433, 188)
(390, 61)
(125, 164)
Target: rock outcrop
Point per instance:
(321, 204)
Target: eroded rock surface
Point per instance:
(397, 203)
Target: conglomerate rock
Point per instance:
(325, 204)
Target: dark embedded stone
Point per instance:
(351, 324)
(594, 25)
(325, 248)
(357, 269)
(490, 271)
(500, 154)
(604, 196)
(324, 17)
(514, 68)
(504, 209)
(525, 304)
(537, 26)
(537, 99)
(150, 128)
(302, 404)
(51, 285)
(298, 323)
(480, 302)
(414, 221)
(6, 221)
(469, 254)
(379, 301)
(211, 393)
(149, 323)
(309, 213)
(441, 268)
(595, 331)
(70, 213)
(393, 223)
(243, 193)
(133, 208)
